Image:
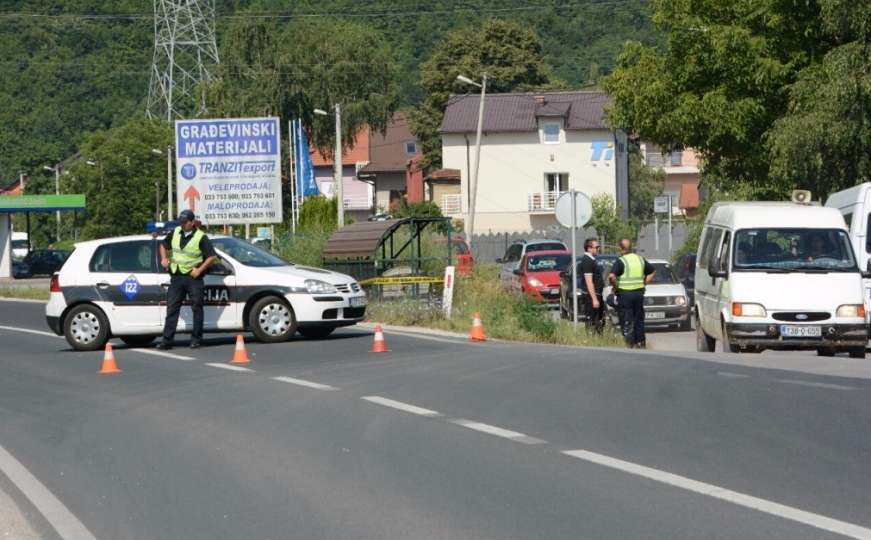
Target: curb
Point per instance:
(27, 300)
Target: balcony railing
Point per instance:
(543, 201)
(452, 204)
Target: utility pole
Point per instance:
(56, 170)
(169, 215)
(337, 169)
(473, 188)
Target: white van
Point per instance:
(20, 246)
(773, 275)
(855, 205)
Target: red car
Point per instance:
(538, 274)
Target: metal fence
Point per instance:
(491, 246)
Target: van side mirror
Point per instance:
(716, 273)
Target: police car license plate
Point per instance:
(800, 331)
(654, 315)
(358, 301)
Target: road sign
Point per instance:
(264, 232)
(228, 171)
(662, 204)
(448, 292)
(583, 209)
(41, 203)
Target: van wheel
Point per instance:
(826, 351)
(857, 352)
(704, 343)
(86, 328)
(725, 346)
(137, 341)
(271, 320)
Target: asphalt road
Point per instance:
(437, 439)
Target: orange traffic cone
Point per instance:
(477, 333)
(379, 345)
(240, 355)
(109, 365)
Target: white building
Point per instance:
(534, 147)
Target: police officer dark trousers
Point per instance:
(629, 275)
(190, 253)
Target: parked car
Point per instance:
(44, 261)
(779, 276)
(515, 252)
(665, 299)
(115, 287)
(685, 270)
(20, 269)
(539, 275)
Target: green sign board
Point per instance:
(41, 203)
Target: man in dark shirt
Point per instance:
(629, 274)
(592, 283)
(186, 252)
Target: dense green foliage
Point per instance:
(773, 92)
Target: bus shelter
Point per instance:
(408, 251)
(26, 204)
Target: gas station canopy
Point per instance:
(41, 203)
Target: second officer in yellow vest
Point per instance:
(630, 273)
(186, 252)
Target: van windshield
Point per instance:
(802, 250)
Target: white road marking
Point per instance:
(732, 375)
(497, 431)
(454, 341)
(401, 406)
(768, 507)
(59, 516)
(301, 382)
(230, 367)
(815, 384)
(52, 335)
(161, 353)
(29, 331)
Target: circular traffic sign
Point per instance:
(583, 209)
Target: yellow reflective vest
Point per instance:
(184, 259)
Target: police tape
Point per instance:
(405, 280)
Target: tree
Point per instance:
(122, 177)
(823, 143)
(645, 183)
(609, 227)
(721, 81)
(289, 70)
(509, 53)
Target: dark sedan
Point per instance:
(43, 262)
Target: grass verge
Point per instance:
(505, 315)
(26, 293)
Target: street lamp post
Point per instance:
(169, 214)
(56, 170)
(337, 165)
(473, 188)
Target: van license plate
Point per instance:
(358, 301)
(654, 315)
(800, 331)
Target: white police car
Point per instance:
(116, 287)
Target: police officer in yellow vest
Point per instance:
(629, 274)
(190, 253)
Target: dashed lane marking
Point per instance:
(29, 331)
(59, 516)
(301, 382)
(732, 375)
(230, 367)
(768, 507)
(413, 409)
(815, 384)
(161, 353)
(497, 431)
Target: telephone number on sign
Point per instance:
(239, 215)
(237, 196)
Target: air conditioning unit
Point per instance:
(801, 196)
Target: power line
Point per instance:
(361, 14)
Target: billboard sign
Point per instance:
(228, 171)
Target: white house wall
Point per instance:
(513, 165)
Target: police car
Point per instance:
(115, 287)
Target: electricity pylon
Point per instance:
(184, 50)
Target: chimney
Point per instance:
(540, 100)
